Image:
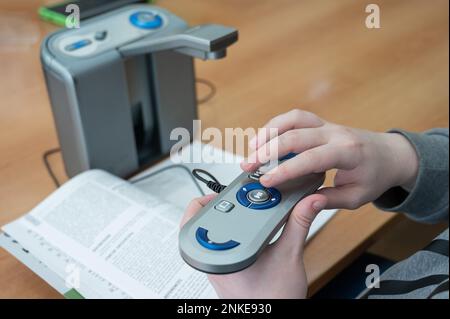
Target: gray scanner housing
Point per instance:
(253, 229)
(116, 100)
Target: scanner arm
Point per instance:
(208, 41)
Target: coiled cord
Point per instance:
(213, 184)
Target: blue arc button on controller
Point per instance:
(146, 20)
(202, 237)
(256, 196)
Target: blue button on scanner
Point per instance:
(77, 45)
(202, 237)
(146, 20)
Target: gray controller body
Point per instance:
(228, 234)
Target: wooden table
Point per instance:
(317, 55)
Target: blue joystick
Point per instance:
(146, 20)
(256, 196)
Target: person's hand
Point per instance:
(367, 163)
(279, 271)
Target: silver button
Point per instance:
(224, 206)
(258, 196)
(255, 175)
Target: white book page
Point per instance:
(56, 267)
(109, 227)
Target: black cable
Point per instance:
(45, 157)
(215, 187)
(212, 90)
(170, 167)
(196, 172)
(212, 184)
(48, 153)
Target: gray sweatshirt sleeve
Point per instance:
(428, 200)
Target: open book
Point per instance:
(99, 236)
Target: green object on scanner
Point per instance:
(52, 16)
(47, 14)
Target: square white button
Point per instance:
(224, 206)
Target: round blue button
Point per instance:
(146, 20)
(242, 198)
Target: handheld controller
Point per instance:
(229, 233)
